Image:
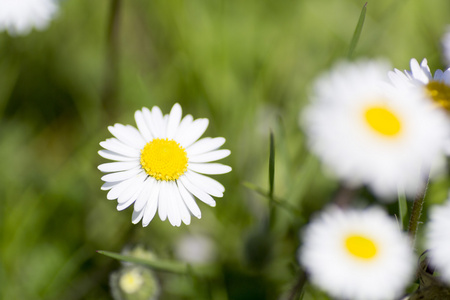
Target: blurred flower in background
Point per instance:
(195, 248)
(357, 254)
(19, 17)
(158, 166)
(134, 283)
(435, 87)
(370, 132)
(438, 239)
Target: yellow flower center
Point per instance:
(440, 93)
(131, 281)
(164, 159)
(360, 247)
(383, 121)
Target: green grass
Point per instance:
(245, 65)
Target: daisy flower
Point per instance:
(357, 254)
(369, 132)
(159, 166)
(438, 239)
(18, 17)
(436, 87)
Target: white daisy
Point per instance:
(438, 239)
(18, 17)
(357, 254)
(369, 132)
(159, 166)
(436, 87)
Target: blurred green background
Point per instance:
(245, 65)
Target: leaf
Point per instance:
(357, 32)
(162, 265)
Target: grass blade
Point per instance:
(357, 32)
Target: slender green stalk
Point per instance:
(402, 209)
(163, 265)
(109, 92)
(357, 32)
(416, 211)
(297, 289)
(271, 178)
(277, 201)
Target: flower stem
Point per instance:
(109, 92)
(416, 212)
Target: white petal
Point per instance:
(108, 185)
(201, 195)
(120, 148)
(173, 213)
(174, 121)
(115, 192)
(143, 197)
(208, 185)
(418, 72)
(118, 166)
(157, 122)
(122, 206)
(184, 125)
(124, 175)
(137, 215)
(152, 205)
(205, 145)
(114, 156)
(133, 190)
(210, 169)
(128, 135)
(184, 212)
(210, 156)
(142, 125)
(189, 200)
(162, 200)
(193, 132)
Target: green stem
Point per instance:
(298, 287)
(416, 211)
(164, 265)
(109, 93)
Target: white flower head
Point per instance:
(370, 132)
(357, 254)
(438, 239)
(18, 17)
(159, 166)
(435, 87)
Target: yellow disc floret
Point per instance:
(440, 93)
(360, 247)
(164, 159)
(383, 121)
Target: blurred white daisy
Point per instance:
(438, 239)
(159, 166)
(18, 17)
(370, 132)
(195, 248)
(357, 254)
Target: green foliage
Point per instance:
(245, 65)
